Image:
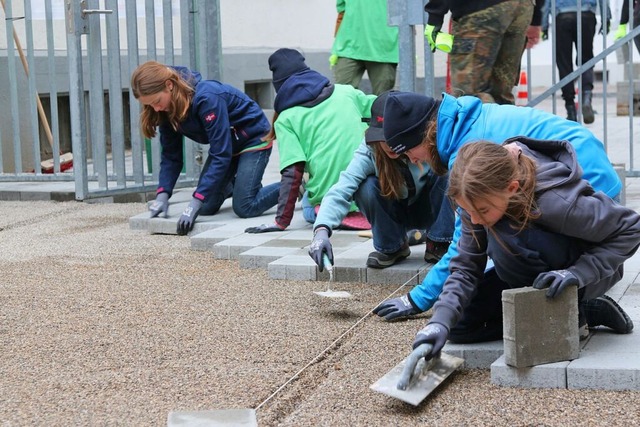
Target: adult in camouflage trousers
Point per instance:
(488, 40)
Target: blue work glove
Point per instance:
(160, 205)
(435, 334)
(188, 217)
(556, 281)
(264, 228)
(603, 28)
(395, 308)
(431, 32)
(319, 245)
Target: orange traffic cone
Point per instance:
(522, 97)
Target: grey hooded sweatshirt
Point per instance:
(578, 229)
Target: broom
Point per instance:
(66, 160)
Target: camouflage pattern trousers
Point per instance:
(487, 48)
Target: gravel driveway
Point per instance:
(101, 325)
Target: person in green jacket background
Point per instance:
(318, 125)
(364, 42)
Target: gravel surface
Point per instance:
(102, 325)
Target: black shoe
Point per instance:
(571, 113)
(380, 260)
(435, 251)
(415, 237)
(604, 311)
(587, 108)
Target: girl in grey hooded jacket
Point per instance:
(525, 205)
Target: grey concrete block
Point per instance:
(139, 222)
(551, 375)
(293, 267)
(261, 256)
(232, 248)
(9, 196)
(605, 371)
(405, 272)
(206, 240)
(219, 417)
(538, 329)
(476, 355)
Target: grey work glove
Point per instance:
(264, 228)
(160, 205)
(435, 334)
(395, 308)
(319, 245)
(188, 217)
(556, 281)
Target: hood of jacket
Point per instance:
(456, 117)
(557, 164)
(190, 76)
(306, 88)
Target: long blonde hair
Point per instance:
(151, 78)
(484, 168)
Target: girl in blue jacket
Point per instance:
(181, 104)
(436, 140)
(525, 205)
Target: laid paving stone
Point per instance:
(477, 355)
(605, 371)
(550, 375)
(261, 256)
(293, 267)
(206, 240)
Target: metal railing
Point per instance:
(102, 130)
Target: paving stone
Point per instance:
(206, 240)
(293, 267)
(477, 355)
(610, 370)
(261, 256)
(538, 329)
(550, 375)
(217, 418)
(231, 248)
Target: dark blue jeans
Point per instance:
(243, 181)
(391, 219)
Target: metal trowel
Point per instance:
(330, 293)
(413, 379)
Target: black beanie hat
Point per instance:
(405, 119)
(284, 63)
(374, 132)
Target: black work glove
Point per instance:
(188, 217)
(556, 281)
(435, 334)
(160, 205)
(319, 245)
(264, 228)
(608, 27)
(395, 308)
(544, 34)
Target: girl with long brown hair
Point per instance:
(395, 196)
(178, 103)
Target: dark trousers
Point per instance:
(566, 38)
(482, 319)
